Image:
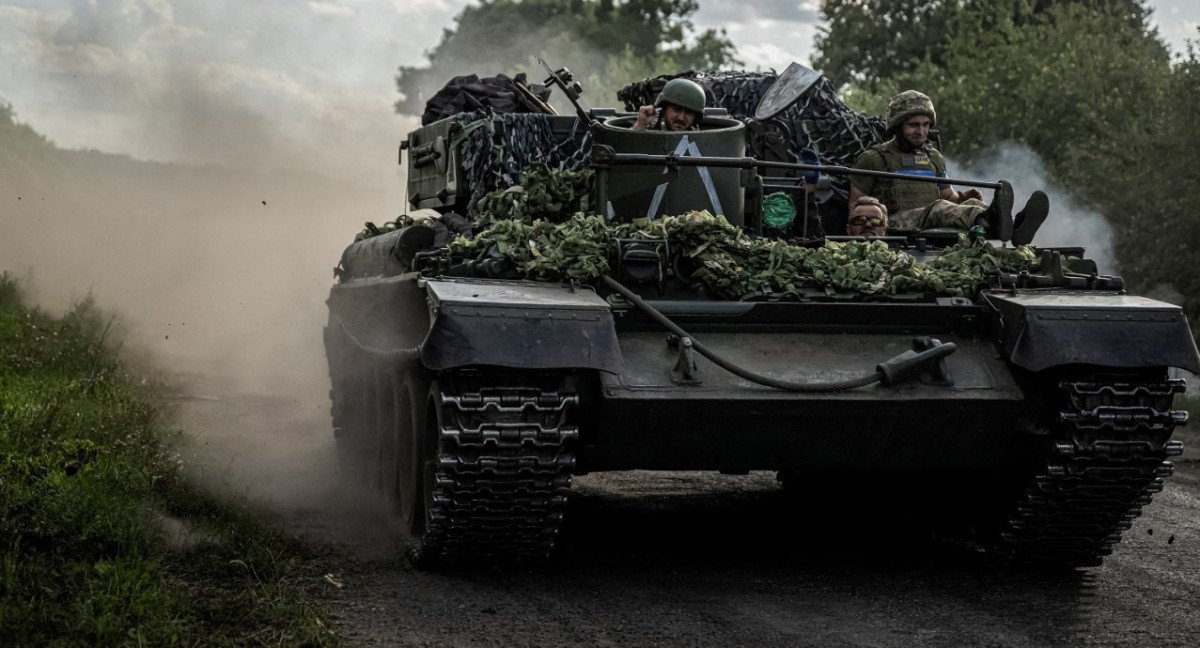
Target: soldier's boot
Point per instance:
(1029, 219)
(997, 219)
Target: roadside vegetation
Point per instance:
(102, 542)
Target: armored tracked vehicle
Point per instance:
(472, 378)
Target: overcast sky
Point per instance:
(288, 82)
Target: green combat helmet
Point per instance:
(683, 93)
(907, 104)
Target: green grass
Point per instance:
(102, 543)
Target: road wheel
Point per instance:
(351, 396)
(415, 433)
(417, 468)
(383, 435)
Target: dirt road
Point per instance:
(654, 559)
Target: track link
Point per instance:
(1105, 465)
(506, 454)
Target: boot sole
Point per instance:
(1035, 212)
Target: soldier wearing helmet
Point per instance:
(921, 205)
(677, 108)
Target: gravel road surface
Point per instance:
(696, 559)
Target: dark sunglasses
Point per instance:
(873, 221)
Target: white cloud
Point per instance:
(423, 6)
(788, 42)
(331, 9)
(723, 12)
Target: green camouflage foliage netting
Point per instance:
(543, 194)
(732, 264)
(545, 228)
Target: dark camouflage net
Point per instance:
(496, 147)
(819, 120)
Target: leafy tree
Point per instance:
(1160, 195)
(599, 38)
(1093, 93)
(869, 42)
(1070, 82)
(1090, 88)
(27, 159)
(19, 144)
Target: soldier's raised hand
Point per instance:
(645, 117)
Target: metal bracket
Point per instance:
(1054, 272)
(685, 371)
(933, 372)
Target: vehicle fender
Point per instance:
(1040, 330)
(518, 324)
(384, 316)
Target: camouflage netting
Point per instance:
(574, 249)
(547, 232)
(496, 147)
(733, 265)
(540, 194)
(819, 120)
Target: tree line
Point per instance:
(614, 42)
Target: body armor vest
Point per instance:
(899, 195)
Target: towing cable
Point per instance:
(887, 372)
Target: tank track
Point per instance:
(506, 455)
(1105, 464)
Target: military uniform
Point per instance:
(913, 205)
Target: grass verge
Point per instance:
(102, 543)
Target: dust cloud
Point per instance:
(219, 274)
(217, 264)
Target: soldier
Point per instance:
(681, 103)
(920, 205)
(868, 218)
